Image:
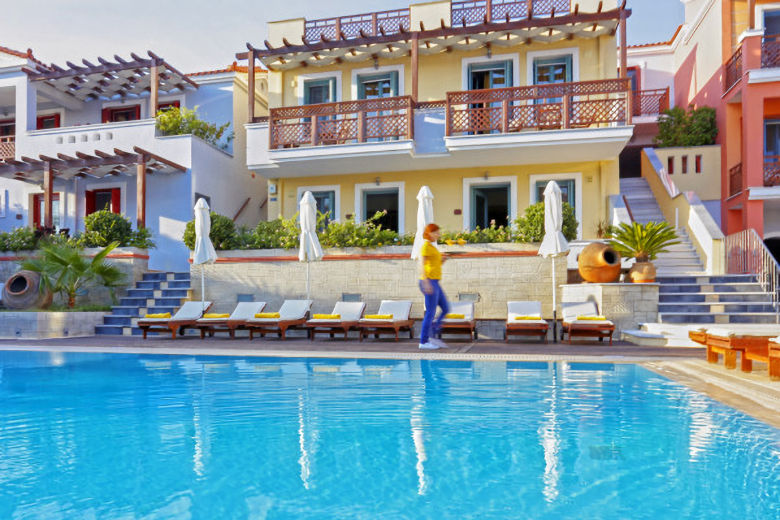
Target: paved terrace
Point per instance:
(752, 393)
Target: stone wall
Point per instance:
(133, 262)
(492, 273)
(37, 325)
(626, 304)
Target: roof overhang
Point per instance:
(97, 166)
(110, 80)
(445, 39)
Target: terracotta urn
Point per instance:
(642, 272)
(599, 263)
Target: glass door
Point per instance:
(385, 201)
(489, 205)
(326, 204)
(497, 74)
(567, 191)
(772, 145)
(376, 86)
(38, 210)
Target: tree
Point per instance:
(696, 127)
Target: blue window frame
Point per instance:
(557, 69)
(568, 193)
(494, 74)
(380, 85)
(319, 91)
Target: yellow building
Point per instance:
(484, 102)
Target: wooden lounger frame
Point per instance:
(385, 327)
(330, 327)
(526, 329)
(226, 325)
(698, 336)
(730, 346)
(589, 330)
(460, 327)
(278, 327)
(170, 325)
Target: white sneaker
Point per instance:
(439, 343)
(427, 346)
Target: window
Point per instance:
(698, 163)
(7, 128)
(556, 69)
(684, 166)
(568, 191)
(380, 85)
(489, 203)
(109, 199)
(670, 165)
(199, 196)
(772, 137)
(326, 204)
(635, 76)
(120, 114)
(319, 91)
(384, 200)
(50, 121)
(38, 210)
(772, 23)
(497, 74)
(167, 105)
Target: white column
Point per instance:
(26, 107)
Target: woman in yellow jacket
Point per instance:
(430, 277)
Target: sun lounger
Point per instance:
(291, 314)
(186, 316)
(698, 335)
(576, 323)
(525, 319)
(773, 355)
(398, 309)
(751, 343)
(465, 325)
(348, 313)
(236, 320)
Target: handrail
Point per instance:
(771, 170)
(733, 70)
(651, 102)
(663, 175)
(770, 51)
(746, 253)
(241, 209)
(7, 147)
(628, 208)
(472, 12)
(735, 179)
(549, 90)
(393, 21)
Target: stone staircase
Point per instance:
(154, 293)
(681, 258)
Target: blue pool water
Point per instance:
(141, 436)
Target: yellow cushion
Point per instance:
(528, 317)
(591, 318)
(379, 316)
(160, 315)
(455, 316)
(267, 315)
(327, 316)
(213, 316)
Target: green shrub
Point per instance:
(183, 121)
(486, 235)
(696, 127)
(222, 234)
(349, 233)
(278, 233)
(104, 227)
(20, 239)
(530, 226)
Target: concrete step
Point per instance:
(119, 310)
(118, 320)
(178, 284)
(719, 318)
(148, 284)
(179, 276)
(133, 302)
(108, 330)
(710, 279)
(715, 308)
(167, 302)
(157, 277)
(713, 297)
(140, 293)
(717, 288)
(173, 293)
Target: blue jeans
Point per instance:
(433, 300)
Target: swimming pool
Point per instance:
(142, 436)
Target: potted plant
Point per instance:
(644, 242)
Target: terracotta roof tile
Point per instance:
(233, 67)
(657, 44)
(20, 54)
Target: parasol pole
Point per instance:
(555, 306)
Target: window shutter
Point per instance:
(89, 202)
(332, 88)
(36, 220)
(137, 112)
(568, 68)
(106, 115)
(116, 200)
(508, 73)
(394, 83)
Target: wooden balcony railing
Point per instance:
(770, 51)
(733, 70)
(735, 179)
(772, 170)
(651, 102)
(345, 122)
(358, 26)
(541, 107)
(7, 148)
(473, 12)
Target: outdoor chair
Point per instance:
(751, 343)
(186, 316)
(391, 318)
(236, 320)
(773, 358)
(582, 319)
(343, 318)
(457, 325)
(292, 314)
(524, 318)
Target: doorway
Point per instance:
(384, 200)
(489, 203)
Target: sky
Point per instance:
(195, 35)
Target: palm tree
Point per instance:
(65, 270)
(642, 241)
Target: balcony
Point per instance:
(7, 148)
(735, 179)
(582, 104)
(772, 170)
(358, 26)
(348, 122)
(650, 102)
(770, 51)
(473, 12)
(733, 70)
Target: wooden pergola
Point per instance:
(101, 164)
(387, 44)
(111, 80)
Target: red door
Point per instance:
(38, 210)
(98, 200)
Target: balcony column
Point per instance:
(623, 49)
(753, 158)
(250, 81)
(415, 65)
(140, 186)
(154, 86)
(26, 107)
(48, 189)
(751, 14)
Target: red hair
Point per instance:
(430, 228)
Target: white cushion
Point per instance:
(465, 308)
(294, 309)
(756, 330)
(349, 311)
(242, 312)
(400, 310)
(570, 311)
(188, 311)
(588, 322)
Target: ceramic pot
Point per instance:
(642, 272)
(599, 263)
(22, 291)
